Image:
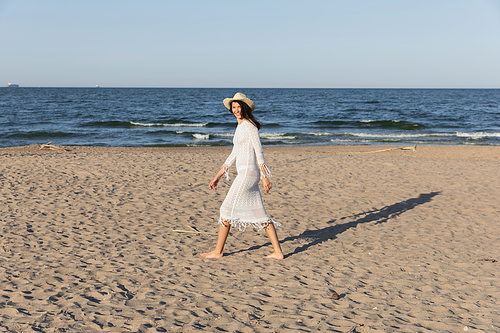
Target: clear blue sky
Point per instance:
(258, 43)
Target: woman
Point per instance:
(243, 205)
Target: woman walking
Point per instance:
(243, 205)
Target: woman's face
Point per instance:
(236, 109)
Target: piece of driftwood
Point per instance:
(493, 260)
(50, 146)
(412, 148)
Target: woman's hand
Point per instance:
(267, 184)
(214, 182)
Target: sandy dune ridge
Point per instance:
(408, 239)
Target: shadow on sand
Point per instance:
(382, 215)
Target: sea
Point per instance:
(180, 117)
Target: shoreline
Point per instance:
(407, 239)
(382, 144)
(312, 145)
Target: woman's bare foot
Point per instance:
(211, 255)
(275, 255)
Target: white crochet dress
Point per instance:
(243, 205)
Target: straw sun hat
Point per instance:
(239, 97)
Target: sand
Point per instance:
(409, 240)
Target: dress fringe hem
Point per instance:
(242, 225)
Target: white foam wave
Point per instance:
(146, 125)
(224, 135)
(168, 125)
(350, 141)
(186, 125)
(201, 136)
(385, 136)
(317, 133)
(277, 136)
(374, 121)
(367, 135)
(478, 135)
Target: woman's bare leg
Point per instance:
(221, 241)
(273, 237)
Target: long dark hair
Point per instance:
(246, 113)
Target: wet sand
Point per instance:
(407, 239)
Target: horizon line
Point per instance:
(153, 87)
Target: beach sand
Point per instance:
(409, 240)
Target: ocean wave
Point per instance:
(478, 135)
(401, 142)
(224, 135)
(445, 138)
(350, 141)
(277, 136)
(393, 123)
(378, 136)
(317, 133)
(198, 136)
(169, 125)
(271, 125)
(129, 124)
(385, 135)
(421, 135)
(147, 124)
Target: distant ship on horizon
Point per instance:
(12, 85)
